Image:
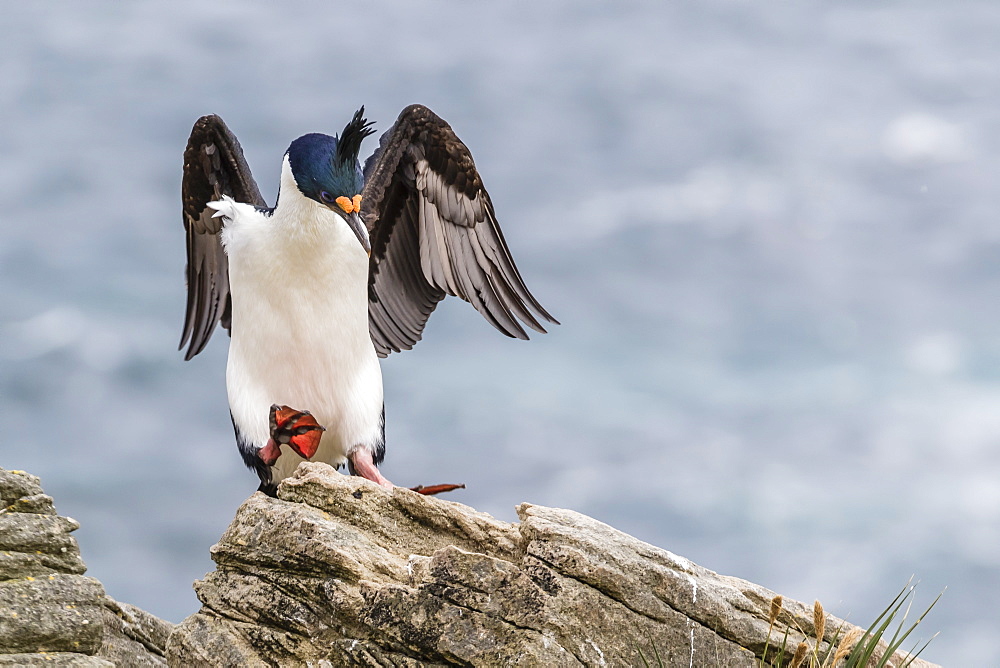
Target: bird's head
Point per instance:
(326, 170)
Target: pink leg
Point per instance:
(363, 465)
(270, 452)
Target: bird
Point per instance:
(343, 270)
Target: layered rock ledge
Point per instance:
(50, 612)
(338, 571)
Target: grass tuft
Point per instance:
(857, 648)
(656, 655)
(865, 652)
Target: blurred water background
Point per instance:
(770, 230)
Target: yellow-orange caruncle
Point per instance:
(349, 205)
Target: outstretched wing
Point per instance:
(213, 166)
(433, 232)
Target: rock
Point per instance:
(50, 613)
(132, 636)
(339, 571)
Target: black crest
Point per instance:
(349, 141)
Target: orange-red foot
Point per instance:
(436, 489)
(296, 429)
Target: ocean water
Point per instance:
(771, 232)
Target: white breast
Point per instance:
(299, 282)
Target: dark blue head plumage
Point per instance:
(326, 167)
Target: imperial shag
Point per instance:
(344, 269)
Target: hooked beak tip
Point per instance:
(358, 226)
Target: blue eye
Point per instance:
(326, 197)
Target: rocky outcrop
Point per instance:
(338, 571)
(50, 612)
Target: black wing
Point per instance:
(433, 232)
(213, 166)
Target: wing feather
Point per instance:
(434, 233)
(213, 166)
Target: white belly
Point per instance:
(300, 336)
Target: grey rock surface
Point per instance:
(338, 571)
(50, 612)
